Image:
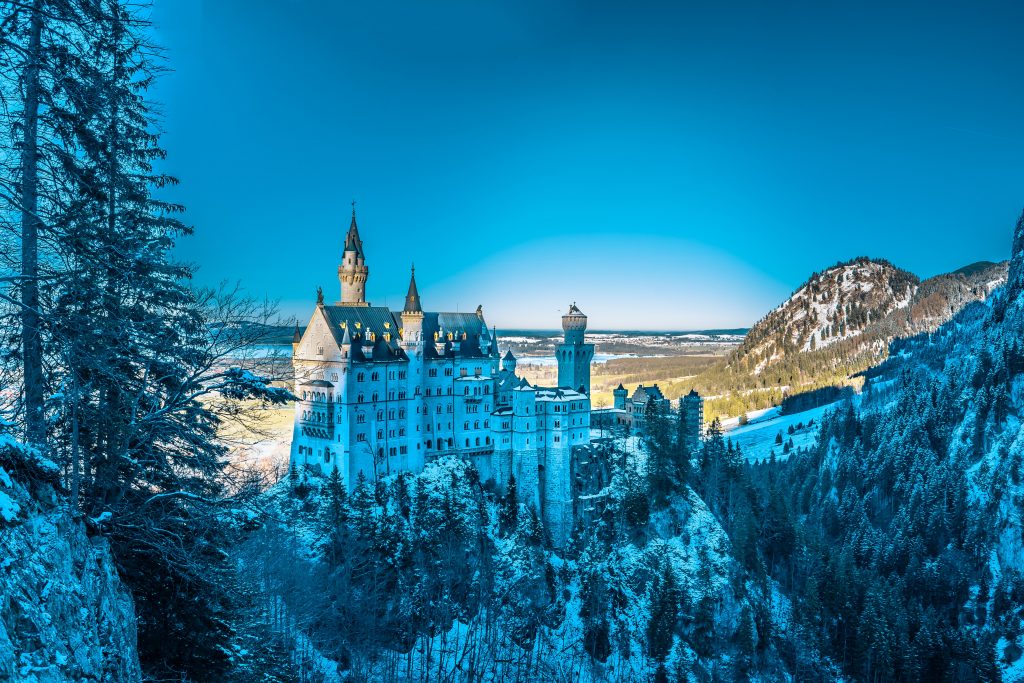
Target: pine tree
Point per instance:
(664, 613)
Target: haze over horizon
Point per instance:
(665, 167)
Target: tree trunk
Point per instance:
(32, 349)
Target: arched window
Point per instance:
(359, 399)
(478, 441)
(430, 442)
(380, 414)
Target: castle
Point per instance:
(384, 391)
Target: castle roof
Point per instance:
(352, 241)
(362, 323)
(509, 356)
(412, 299)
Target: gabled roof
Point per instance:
(361, 321)
(508, 355)
(456, 323)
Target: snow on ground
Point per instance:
(757, 438)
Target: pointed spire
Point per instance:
(352, 241)
(412, 299)
(297, 337)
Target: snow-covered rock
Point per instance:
(64, 613)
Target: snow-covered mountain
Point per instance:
(858, 307)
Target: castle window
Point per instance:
(487, 440)
(430, 443)
(557, 424)
(449, 391)
(476, 424)
(557, 438)
(487, 390)
(478, 441)
(375, 376)
(391, 375)
(402, 374)
(320, 350)
(360, 377)
(380, 434)
(487, 424)
(327, 455)
(401, 413)
(403, 450)
(380, 415)
(465, 391)
(449, 407)
(465, 425)
(477, 371)
(361, 418)
(401, 431)
(451, 442)
(360, 437)
(467, 443)
(448, 372)
(334, 376)
(438, 408)
(432, 373)
(463, 372)
(391, 415)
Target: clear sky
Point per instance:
(668, 165)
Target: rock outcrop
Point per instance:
(64, 613)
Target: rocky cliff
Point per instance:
(64, 614)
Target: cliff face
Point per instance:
(64, 614)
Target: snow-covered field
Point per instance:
(758, 437)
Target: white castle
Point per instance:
(384, 391)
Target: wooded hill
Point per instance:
(838, 323)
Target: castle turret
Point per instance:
(574, 354)
(353, 272)
(412, 314)
(619, 397)
(508, 363)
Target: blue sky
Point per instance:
(666, 165)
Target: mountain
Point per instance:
(867, 300)
(838, 323)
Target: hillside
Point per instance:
(909, 508)
(838, 323)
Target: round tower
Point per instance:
(574, 354)
(353, 272)
(574, 325)
(619, 396)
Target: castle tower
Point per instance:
(691, 421)
(508, 363)
(619, 397)
(412, 315)
(353, 271)
(574, 354)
